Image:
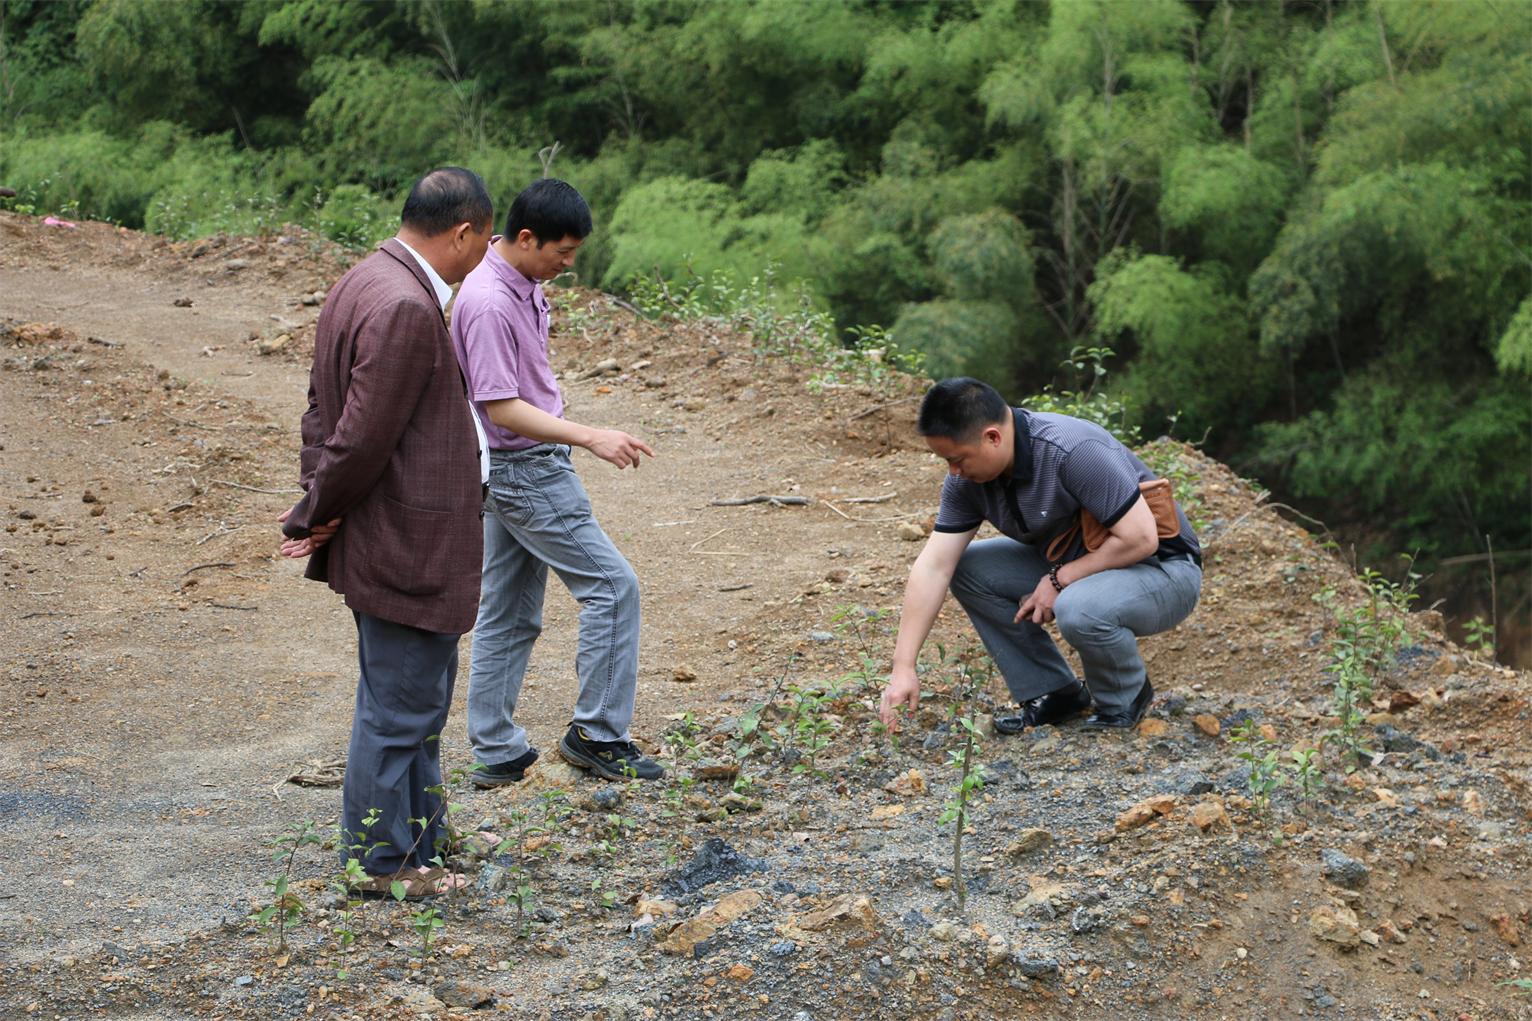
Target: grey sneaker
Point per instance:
(614, 760)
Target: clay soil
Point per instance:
(164, 675)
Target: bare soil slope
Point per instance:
(163, 674)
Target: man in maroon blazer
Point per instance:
(393, 474)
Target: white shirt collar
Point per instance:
(441, 287)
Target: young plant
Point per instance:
(1306, 771)
(1480, 637)
(1263, 775)
(1365, 641)
(427, 921)
(964, 759)
(357, 846)
(285, 909)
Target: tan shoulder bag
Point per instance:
(1162, 503)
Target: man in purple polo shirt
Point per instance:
(537, 514)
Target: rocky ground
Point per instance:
(164, 675)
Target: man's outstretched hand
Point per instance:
(903, 691)
(297, 548)
(618, 447)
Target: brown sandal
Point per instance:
(414, 884)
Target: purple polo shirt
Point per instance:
(500, 334)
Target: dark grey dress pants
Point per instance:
(1102, 616)
(402, 699)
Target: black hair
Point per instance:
(955, 409)
(446, 197)
(551, 209)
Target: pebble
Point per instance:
(1036, 967)
(783, 948)
(457, 993)
(1207, 723)
(1029, 840)
(1336, 925)
(1342, 870)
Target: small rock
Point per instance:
(1370, 938)
(313, 298)
(1473, 803)
(843, 909)
(715, 769)
(418, 1000)
(1036, 967)
(1335, 925)
(783, 948)
(1205, 815)
(1342, 870)
(909, 531)
(182, 303)
(243, 980)
(996, 952)
(1207, 723)
(469, 995)
(235, 265)
(909, 785)
(657, 908)
(1029, 840)
(552, 773)
(822, 636)
(272, 345)
(606, 798)
(943, 932)
(1387, 930)
(739, 973)
(1146, 810)
(737, 802)
(683, 674)
(1151, 727)
(1505, 927)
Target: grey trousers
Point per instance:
(402, 700)
(1102, 616)
(538, 516)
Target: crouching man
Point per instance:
(1030, 475)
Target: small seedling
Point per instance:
(285, 909)
(1306, 771)
(1480, 637)
(965, 759)
(1263, 775)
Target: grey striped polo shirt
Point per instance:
(1061, 464)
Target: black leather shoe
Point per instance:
(1050, 708)
(502, 773)
(1127, 718)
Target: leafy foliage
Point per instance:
(1301, 226)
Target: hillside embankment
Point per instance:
(165, 675)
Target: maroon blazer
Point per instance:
(388, 445)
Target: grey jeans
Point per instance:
(538, 516)
(1102, 616)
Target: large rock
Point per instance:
(683, 939)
